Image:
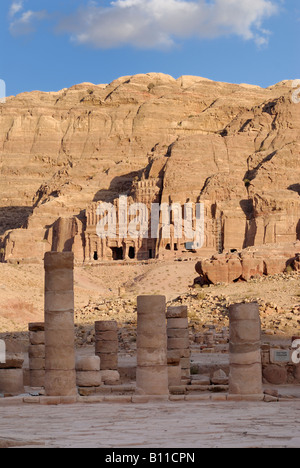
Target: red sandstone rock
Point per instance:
(233, 147)
(249, 263)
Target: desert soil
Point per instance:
(110, 291)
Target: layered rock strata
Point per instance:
(234, 148)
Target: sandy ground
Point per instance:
(161, 425)
(22, 288)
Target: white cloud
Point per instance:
(15, 8)
(161, 23)
(23, 22)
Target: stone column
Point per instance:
(107, 344)
(245, 378)
(152, 368)
(60, 377)
(178, 339)
(36, 354)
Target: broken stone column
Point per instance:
(107, 344)
(60, 376)
(152, 368)
(88, 371)
(245, 376)
(36, 354)
(178, 339)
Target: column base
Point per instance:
(239, 397)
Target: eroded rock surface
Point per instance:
(233, 147)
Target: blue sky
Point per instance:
(50, 45)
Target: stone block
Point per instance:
(245, 358)
(37, 338)
(106, 325)
(174, 375)
(12, 361)
(60, 383)
(296, 373)
(178, 343)
(88, 378)
(60, 358)
(107, 335)
(37, 364)
(185, 363)
(245, 379)
(252, 267)
(59, 260)
(244, 311)
(276, 375)
(151, 357)
(149, 341)
(151, 326)
(177, 312)
(59, 338)
(185, 373)
(37, 351)
(109, 361)
(154, 306)
(110, 376)
(106, 347)
(88, 363)
(59, 301)
(175, 354)
(177, 323)
(11, 381)
(36, 326)
(152, 380)
(219, 378)
(201, 380)
(37, 378)
(178, 333)
(62, 320)
(248, 331)
(61, 280)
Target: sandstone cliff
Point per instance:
(233, 147)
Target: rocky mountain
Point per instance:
(233, 147)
